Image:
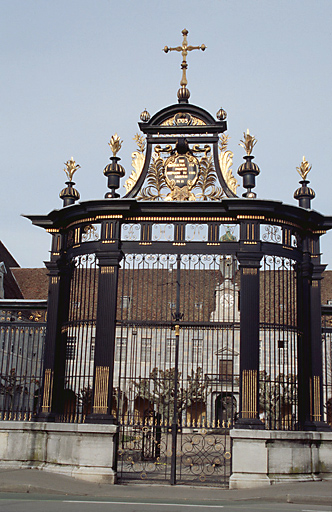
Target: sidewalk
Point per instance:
(43, 482)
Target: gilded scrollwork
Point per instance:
(195, 121)
(156, 181)
(203, 187)
(197, 149)
(207, 181)
(190, 120)
(138, 159)
(226, 162)
(89, 233)
(180, 193)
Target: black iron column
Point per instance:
(303, 344)
(108, 260)
(316, 356)
(249, 259)
(55, 341)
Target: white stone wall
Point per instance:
(265, 457)
(80, 450)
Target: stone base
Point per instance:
(81, 451)
(261, 458)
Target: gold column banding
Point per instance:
(249, 393)
(316, 410)
(249, 271)
(101, 390)
(48, 387)
(107, 270)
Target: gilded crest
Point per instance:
(187, 178)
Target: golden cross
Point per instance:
(184, 49)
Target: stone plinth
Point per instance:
(265, 457)
(83, 451)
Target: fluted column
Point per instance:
(55, 340)
(314, 407)
(249, 259)
(109, 261)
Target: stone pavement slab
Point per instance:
(44, 482)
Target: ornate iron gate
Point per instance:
(144, 326)
(176, 366)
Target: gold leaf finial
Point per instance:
(248, 143)
(304, 168)
(115, 144)
(71, 168)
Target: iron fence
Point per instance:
(22, 335)
(327, 363)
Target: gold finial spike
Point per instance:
(304, 168)
(71, 168)
(248, 143)
(115, 144)
(184, 49)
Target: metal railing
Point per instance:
(22, 335)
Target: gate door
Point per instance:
(176, 364)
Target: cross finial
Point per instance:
(183, 92)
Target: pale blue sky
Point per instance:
(74, 72)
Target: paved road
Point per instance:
(13, 502)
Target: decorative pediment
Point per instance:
(181, 156)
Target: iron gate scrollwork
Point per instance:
(176, 366)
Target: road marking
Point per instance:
(147, 504)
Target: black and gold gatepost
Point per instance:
(59, 272)
(55, 313)
(249, 258)
(310, 357)
(105, 337)
(316, 377)
(109, 261)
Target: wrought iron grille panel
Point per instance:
(131, 232)
(160, 370)
(79, 333)
(270, 233)
(278, 393)
(327, 369)
(22, 334)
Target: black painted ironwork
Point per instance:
(280, 332)
(204, 306)
(327, 363)
(22, 334)
(79, 334)
(176, 360)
